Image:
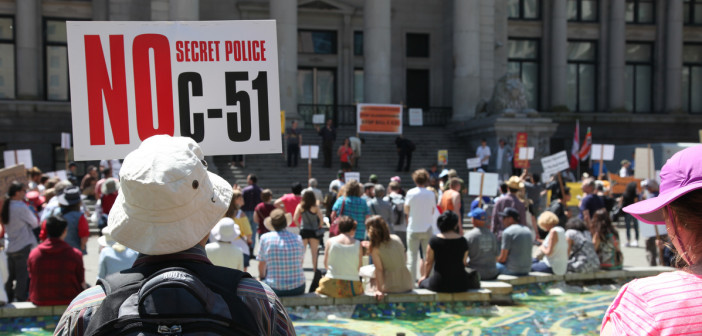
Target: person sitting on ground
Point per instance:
(167, 206)
(281, 255)
(483, 248)
(554, 248)
(515, 253)
(606, 240)
(114, 257)
(446, 255)
(669, 303)
(342, 259)
(55, 268)
(309, 214)
(221, 250)
(389, 259)
(583, 258)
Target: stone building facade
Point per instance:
(630, 69)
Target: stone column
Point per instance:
(184, 10)
(28, 40)
(673, 57)
(559, 53)
(284, 12)
(376, 51)
(617, 56)
(466, 51)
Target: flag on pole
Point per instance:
(575, 151)
(587, 144)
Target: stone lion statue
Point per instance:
(508, 97)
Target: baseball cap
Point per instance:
(510, 212)
(478, 214)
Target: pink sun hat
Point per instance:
(679, 176)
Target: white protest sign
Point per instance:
(643, 170)
(526, 153)
(213, 81)
(473, 163)
(490, 184)
(60, 174)
(307, 150)
(20, 156)
(555, 163)
(603, 152)
(416, 117)
(348, 176)
(66, 140)
(318, 119)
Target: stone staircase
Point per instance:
(379, 156)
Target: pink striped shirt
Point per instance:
(667, 304)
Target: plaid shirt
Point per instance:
(56, 272)
(270, 314)
(356, 208)
(283, 252)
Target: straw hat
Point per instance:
(277, 215)
(515, 182)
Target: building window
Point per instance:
(56, 59)
(639, 77)
(524, 9)
(316, 86)
(7, 58)
(358, 86)
(358, 43)
(523, 60)
(640, 11)
(417, 88)
(692, 12)
(692, 78)
(316, 42)
(582, 74)
(582, 10)
(417, 45)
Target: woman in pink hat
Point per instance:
(670, 303)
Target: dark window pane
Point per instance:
(7, 71)
(530, 79)
(586, 92)
(637, 52)
(686, 88)
(56, 31)
(417, 88)
(581, 51)
(572, 10)
(630, 11)
(589, 10)
(417, 45)
(317, 42)
(629, 79)
(57, 72)
(6, 28)
(531, 9)
(686, 13)
(645, 12)
(358, 43)
(698, 13)
(643, 88)
(692, 53)
(358, 86)
(523, 49)
(513, 9)
(696, 87)
(572, 87)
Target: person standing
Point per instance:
(18, 221)
(328, 134)
(420, 205)
(451, 198)
(483, 153)
(379, 206)
(504, 160)
(349, 203)
(252, 197)
(624, 170)
(356, 143)
(405, 147)
(345, 153)
(294, 139)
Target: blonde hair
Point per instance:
(547, 220)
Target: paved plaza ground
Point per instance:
(633, 257)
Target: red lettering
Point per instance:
(217, 50)
(179, 51)
(263, 50)
(237, 51)
(187, 51)
(203, 51)
(248, 43)
(228, 49)
(193, 48)
(143, 44)
(256, 55)
(99, 85)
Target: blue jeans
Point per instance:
(540, 266)
(254, 228)
(502, 269)
(290, 292)
(630, 222)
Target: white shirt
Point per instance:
(484, 154)
(623, 172)
(336, 182)
(355, 145)
(225, 255)
(422, 205)
(558, 260)
(112, 164)
(500, 157)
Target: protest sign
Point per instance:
(520, 143)
(213, 81)
(10, 174)
(59, 173)
(66, 140)
(416, 117)
(644, 168)
(473, 163)
(348, 176)
(526, 153)
(555, 163)
(602, 152)
(490, 184)
(379, 119)
(442, 157)
(307, 152)
(18, 156)
(318, 119)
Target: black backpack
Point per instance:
(187, 298)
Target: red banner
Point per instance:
(521, 142)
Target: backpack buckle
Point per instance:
(165, 330)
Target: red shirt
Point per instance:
(56, 273)
(345, 153)
(291, 201)
(263, 210)
(108, 201)
(83, 228)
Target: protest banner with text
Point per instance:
(379, 119)
(213, 81)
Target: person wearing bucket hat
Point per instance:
(509, 200)
(167, 205)
(114, 257)
(70, 206)
(222, 250)
(667, 304)
(280, 256)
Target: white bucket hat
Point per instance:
(168, 201)
(226, 231)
